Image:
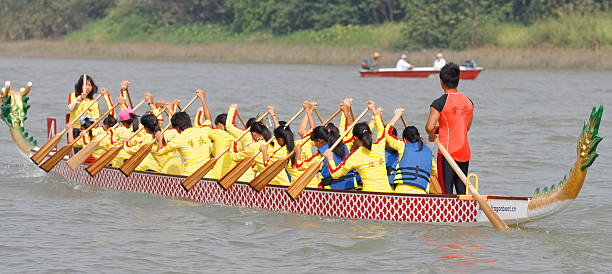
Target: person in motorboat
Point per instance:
(402, 63)
(413, 169)
(371, 64)
(469, 62)
(450, 116)
(439, 62)
(367, 156)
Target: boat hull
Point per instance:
(467, 74)
(441, 209)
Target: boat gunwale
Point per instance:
(338, 191)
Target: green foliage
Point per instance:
(31, 19)
(570, 31)
(455, 24)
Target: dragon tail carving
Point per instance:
(569, 187)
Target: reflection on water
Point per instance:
(523, 136)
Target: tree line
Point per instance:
(428, 24)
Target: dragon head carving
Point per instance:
(13, 111)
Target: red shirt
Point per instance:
(456, 110)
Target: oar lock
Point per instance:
(467, 187)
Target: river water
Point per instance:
(523, 136)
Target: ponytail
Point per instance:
(362, 132)
(134, 121)
(411, 134)
(329, 134)
(285, 133)
(149, 122)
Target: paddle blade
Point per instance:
(295, 189)
(434, 185)
(40, 155)
(55, 158)
(103, 161)
(495, 220)
(233, 175)
(130, 164)
(75, 161)
(268, 174)
(199, 174)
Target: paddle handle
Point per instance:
(331, 117)
(190, 103)
(240, 119)
(404, 121)
(117, 124)
(496, 221)
(82, 113)
(318, 115)
(348, 130)
(101, 118)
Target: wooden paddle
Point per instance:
(40, 155)
(130, 164)
(240, 119)
(231, 177)
(75, 161)
(404, 121)
(496, 221)
(103, 161)
(269, 173)
(195, 177)
(318, 115)
(59, 155)
(296, 188)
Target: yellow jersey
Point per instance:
(369, 163)
(194, 146)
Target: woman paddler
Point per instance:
(304, 146)
(81, 97)
(129, 125)
(367, 156)
(192, 143)
(281, 148)
(231, 128)
(413, 169)
(260, 134)
(83, 139)
(220, 138)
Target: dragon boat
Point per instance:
(419, 72)
(437, 209)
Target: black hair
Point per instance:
(362, 132)
(149, 122)
(388, 148)
(449, 74)
(260, 128)
(330, 136)
(87, 122)
(221, 118)
(109, 121)
(411, 134)
(250, 122)
(133, 122)
(285, 133)
(78, 87)
(180, 121)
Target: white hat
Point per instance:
(439, 55)
(404, 56)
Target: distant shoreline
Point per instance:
(492, 58)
